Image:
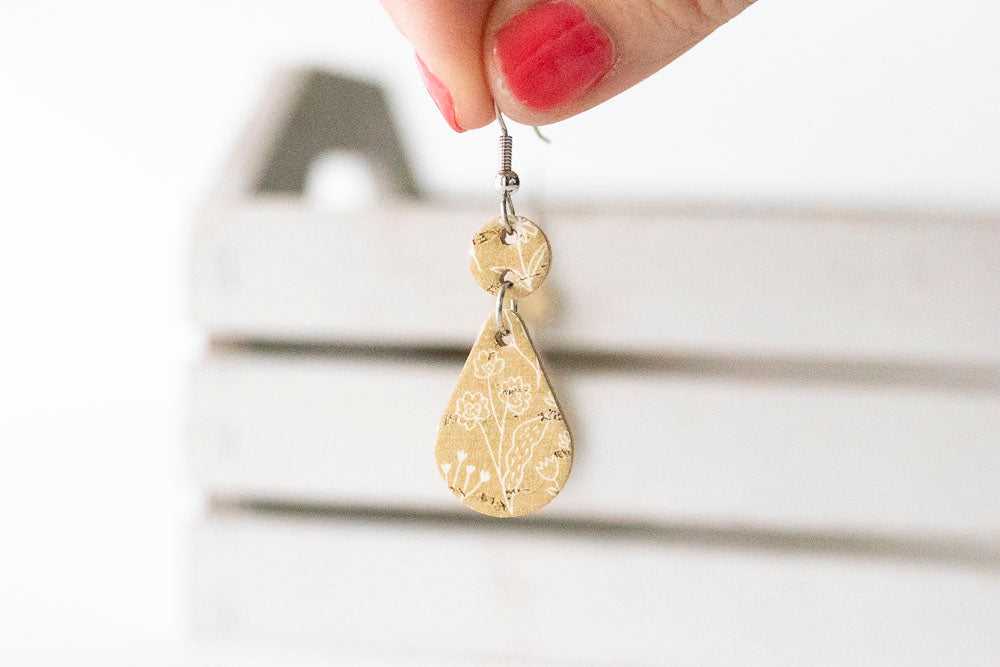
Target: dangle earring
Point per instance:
(503, 447)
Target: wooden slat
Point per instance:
(842, 286)
(578, 598)
(651, 444)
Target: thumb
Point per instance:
(546, 61)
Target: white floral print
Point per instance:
(487, 364)
(548, 468)
(472, 408)
(524, 230)
(565, 442)
(506, 443)
(515, 393)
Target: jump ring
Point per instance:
(501, 296)
(507, 212)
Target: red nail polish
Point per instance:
(438, 92)
(551, 53)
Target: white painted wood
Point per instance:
(801, 283)
(576, 598)
(650, 444)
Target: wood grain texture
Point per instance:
(503, 446)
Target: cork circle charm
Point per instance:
(522, 258)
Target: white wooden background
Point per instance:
(117, 118)
(782, 382)
(564, 595)
(801, 283)
(779, 448)
(653, 444)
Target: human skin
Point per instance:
(543, 61)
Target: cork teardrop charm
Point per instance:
(503, 447)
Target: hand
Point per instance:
(545, 61)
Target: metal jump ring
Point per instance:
(501, 296)
(507, 212)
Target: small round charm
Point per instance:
(522, 257)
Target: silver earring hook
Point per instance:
(507, 181)
(503, 125)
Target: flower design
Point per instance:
(515, 393)
(564, 441)
(548, 468)
(487, 364)
(524, 230)
(472, 408)
(503, 448)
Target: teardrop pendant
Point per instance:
(503, 446)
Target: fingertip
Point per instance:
(463, 109)
(542, 60)
(446, 37)
(439, 93)
(551, 53)
(549, 60)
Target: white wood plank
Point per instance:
(650, 445)
(580, 599)
(804, 283)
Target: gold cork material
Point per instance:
(523, 257)
(503, 446)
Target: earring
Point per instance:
(503, 446)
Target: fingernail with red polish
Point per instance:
(551, 53)
(438, 92)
